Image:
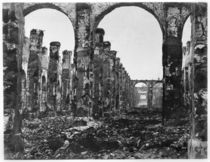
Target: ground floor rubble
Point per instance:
(138, 134)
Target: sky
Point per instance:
(56, 26)
(137, 37)
(186, 32)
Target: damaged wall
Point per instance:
(197, 147)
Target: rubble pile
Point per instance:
(136, 135)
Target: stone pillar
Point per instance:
(117, 83)
(186, 67)
(105, 76)
(120, 86)
(83, 58)
(112, 78)
(197, 146)
(13, 39)
(123, 89)
(172, 61)
(36, 37)
(59, 86)
(149, 94)
(44, 60)
(97, 72)
(66, 70)
(127, 91)
(25, 58)
(53, 74)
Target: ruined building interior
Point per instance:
(96, 85)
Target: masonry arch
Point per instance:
(141, 94)
(31, 8)
(141, 48)
(119, 5)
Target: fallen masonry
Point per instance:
(138, 135)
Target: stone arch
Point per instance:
(143, 82)
(109, 9)
(141, 94)
(30, 7)
(35, 6)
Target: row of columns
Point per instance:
(103, 81)
(46, 79)
(13, 38)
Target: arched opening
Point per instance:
(57, 36)
(137, 38)
(157, 95)
(55, 24)
(186, 61)
(186, 33)
(141, 95)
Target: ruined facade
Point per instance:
(109, 88)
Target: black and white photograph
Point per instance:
(104, 80)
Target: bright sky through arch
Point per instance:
(56, 26)
(186, 35)
(137, 37)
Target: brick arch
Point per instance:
(62, 7)
(30, 7)
(35, 6)
(147, 82)
(135, 82)
(109, 9)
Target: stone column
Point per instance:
(150, 94)
(117, 83)
(105, 76)
(112, 78)
(66, 70)
(120, 86)
(172, 61)
(36, 37)
(25, 58)
(83, 58)
(97, 72)
(44, 60)
(123, 89)
(13, 39)
(197, 146)
(59, 86)
(53, 74)
(186, 66)
(127, 91)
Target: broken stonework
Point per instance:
(44, 60)
(53, 74)
(36, 37)
(66, 79)
(197, 146)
